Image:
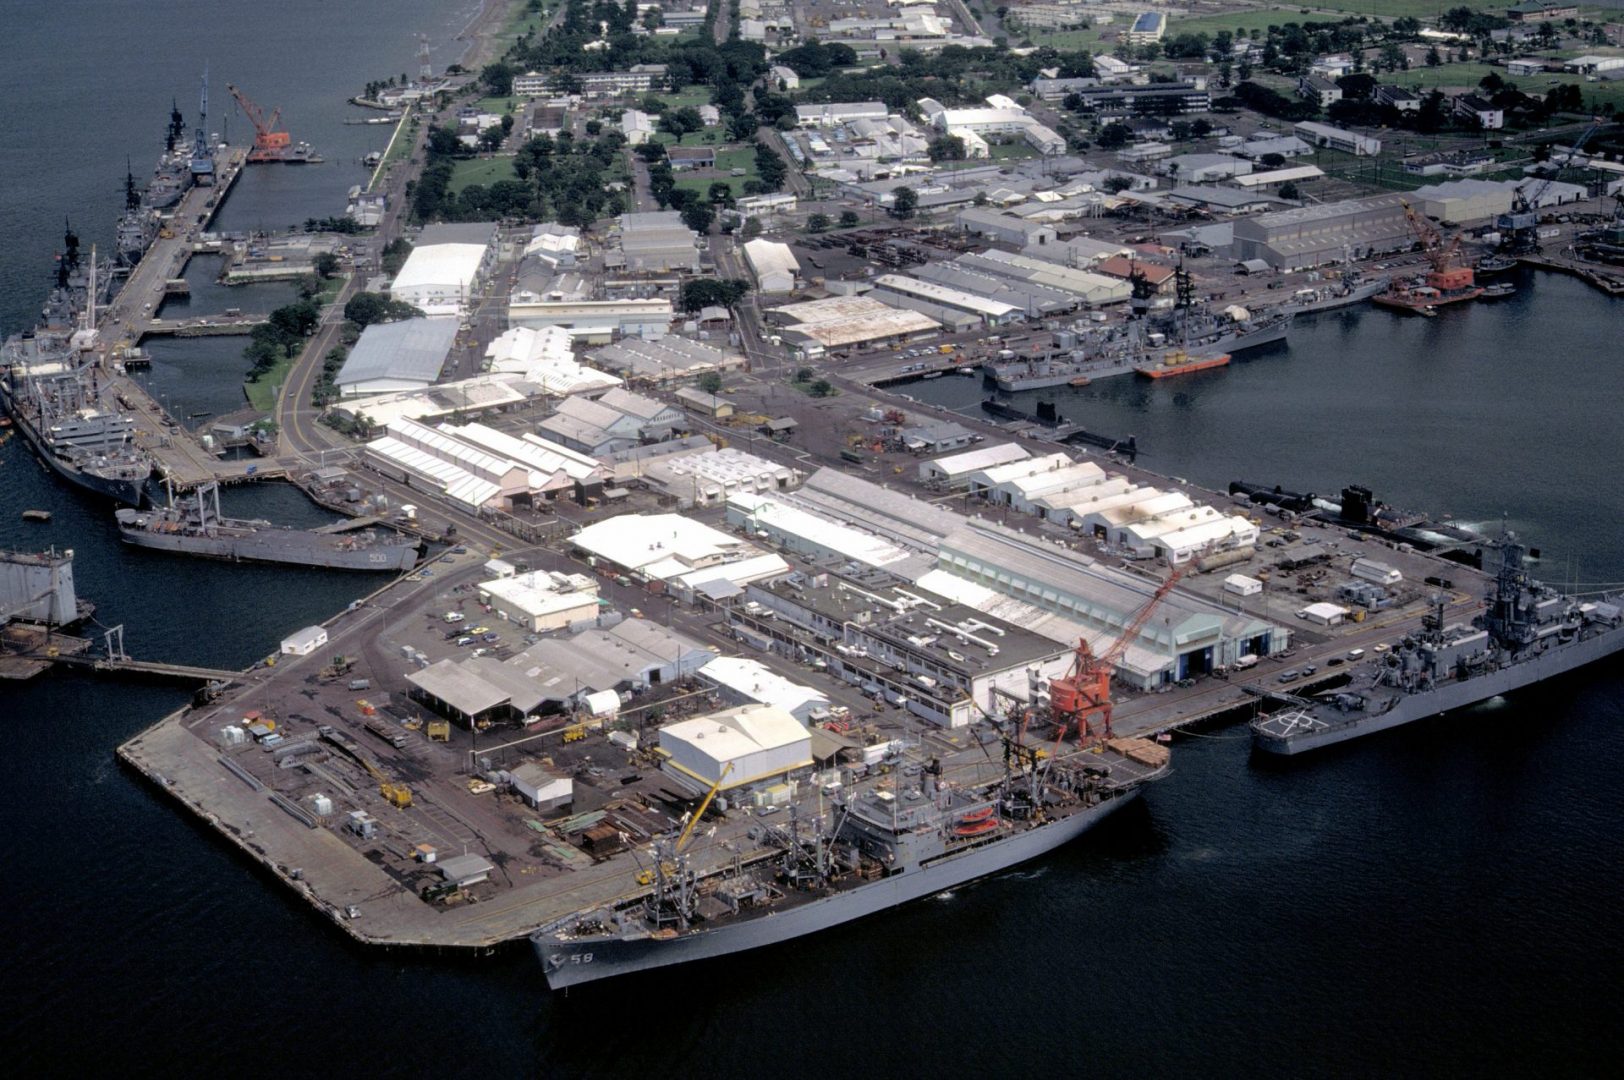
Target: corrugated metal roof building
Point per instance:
(405, 355)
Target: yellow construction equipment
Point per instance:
(439, 731)
(704, 805)
(398, 795)
(575, 733)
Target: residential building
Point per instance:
(1474, 108)
(1398, 97)
(638, 79)
(1147, 28)
(1537, 11)
(1319, 90)
(1334, 138)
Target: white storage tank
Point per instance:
(321, 805)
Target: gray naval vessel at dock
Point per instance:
(1191, 331)
(841, 857)
(196, 527)
(1527, 633)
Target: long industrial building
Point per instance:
(666, 360)
(815, 327)
(479, 467)
(1021, 579)
(684, 556)
(1309, 236)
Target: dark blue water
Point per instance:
(1443, 900)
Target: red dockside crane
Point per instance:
(1085, 692)
(269, 144)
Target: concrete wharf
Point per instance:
(178, 455)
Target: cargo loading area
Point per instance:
(418, 793)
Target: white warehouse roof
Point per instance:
(757, 681)
(769, 257)
(757, 740)
(942, 294)
(455, 265)
(984, 457)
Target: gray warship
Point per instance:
(1191, 331)
(197, 528)
(1527, 633)
(837, 859)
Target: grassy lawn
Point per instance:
(497, 105)
(1067, 39)
(482, 171)
(689, 97)
(726, 161)
(1425, 10)
(401, 145)
(712, 136)
(1468, 75)
(1014, 151)
(262, 394)
(523, 21)
(1243, 20)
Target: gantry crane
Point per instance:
(1519, 229)
(1085, 692)
(269, 143)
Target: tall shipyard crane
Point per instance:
(1519, 229)
(269, 143)
(1084, 693)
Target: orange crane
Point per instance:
(1084, 692)
(1439, 254)
(269, 144)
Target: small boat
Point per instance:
(1498, 290)
(1081, 380)
(1428, 312)
(976, 828)
(976, 815)
(36, 515)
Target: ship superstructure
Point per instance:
(196, 527)
(1528, 632)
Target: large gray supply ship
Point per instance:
(50, 392)
(197, 528)
(865, 852)
(1527, 633)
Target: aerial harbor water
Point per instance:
(1442, 899)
